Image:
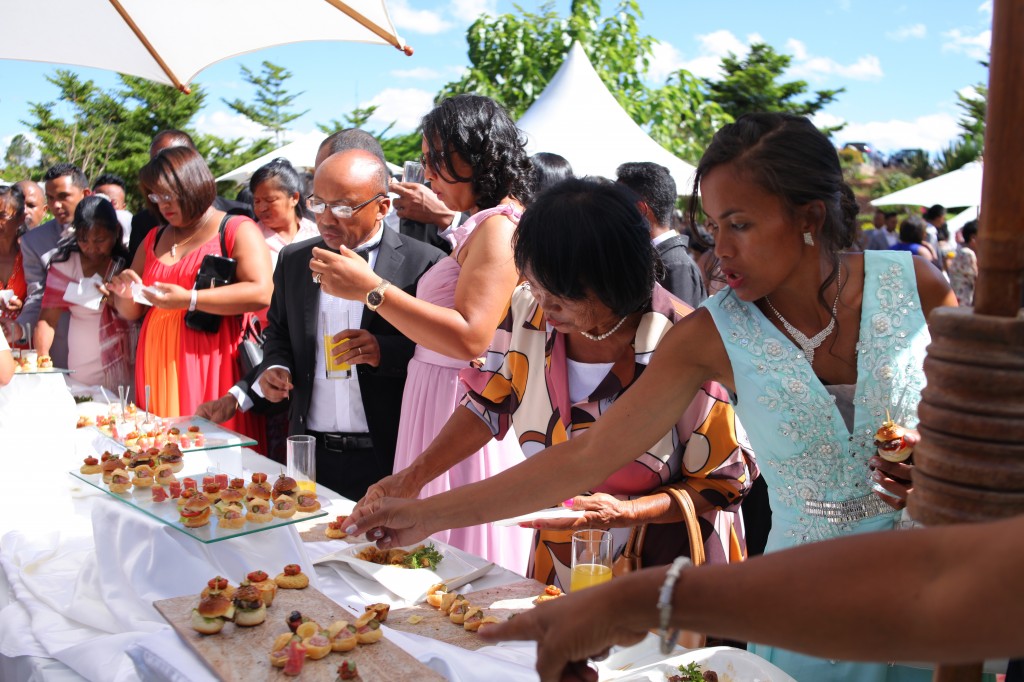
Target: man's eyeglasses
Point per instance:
(160, 198)
(318, 206)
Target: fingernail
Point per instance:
(876, 475)
(351, 530)
(568, 503)
(375, 534)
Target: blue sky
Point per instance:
(901, 61)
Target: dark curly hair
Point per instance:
(789, 157)
(587, 235)
(285, 176)
(481, 132)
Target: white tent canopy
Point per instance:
(301, 154)
(576, 117)
(962, 187)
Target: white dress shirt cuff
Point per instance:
(244, 401)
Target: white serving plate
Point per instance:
(407, 583)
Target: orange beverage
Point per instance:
(588, 575)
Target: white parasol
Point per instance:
(171, 43)
(962, 187)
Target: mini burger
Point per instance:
(259, 488)
(170, 453)
(259, 511)
(233, 517)
(307, 502)
(249, 607)
(285, 485)
(120, 482)
(208, 617)
(196, 511)
(891, 444)
(109, 466)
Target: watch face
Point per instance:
(375, 298)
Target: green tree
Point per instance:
(752, 84)
(17, 158)
(111, 130)
(514, 56)
(974, 107)
(273, 101)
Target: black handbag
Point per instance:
(214, 271)
(250, 350)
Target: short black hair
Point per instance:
(92, 212)
(183, 172)
(912, 230)
(281, 172)
(969, 230)
(933, 212)
(59, 170)
(481, 132)
(655, 186)
(109, 179)
(584, 236)
(174, 138)
(353, 138)
(17, 197)
(549, 170)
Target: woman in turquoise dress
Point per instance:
(816, 345)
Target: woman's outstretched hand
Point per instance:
(390, 521)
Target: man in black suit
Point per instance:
(656, 190)
(355, 420)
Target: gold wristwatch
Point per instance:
(375, 298)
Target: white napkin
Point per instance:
(137, 296)
(85, 293)
(6, 295)
(543, 515)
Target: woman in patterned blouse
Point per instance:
(815, 342)
(578, 333)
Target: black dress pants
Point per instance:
(349, 463)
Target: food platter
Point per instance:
(213, 436)
(167, 512)
(633, 664)
(407, 583)
(238, 654)
(47, 370)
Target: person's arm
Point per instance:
(690, 353)
(950, 585)
(42, 336)
(486, 282)
(119, 288)
(250, 292)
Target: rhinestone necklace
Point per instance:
(809, 345)
(602, 337)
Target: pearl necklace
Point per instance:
(602, 337)
(198, 229)
(809, 345)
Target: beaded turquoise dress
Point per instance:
(814, 464)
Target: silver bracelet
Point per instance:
(669, 637)
(195, 299)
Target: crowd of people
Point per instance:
(520, 338)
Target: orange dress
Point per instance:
(184, 367)
(15, 282)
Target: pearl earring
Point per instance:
(808, 239)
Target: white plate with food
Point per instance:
(391, 568)
(729, 664)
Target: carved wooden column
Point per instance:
(970, 462)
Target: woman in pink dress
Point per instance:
(97, 337)
(183, 366)
(474, 158)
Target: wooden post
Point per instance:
(970, 462)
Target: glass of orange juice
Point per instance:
(334, 321)
(302, 462)
(591, 558)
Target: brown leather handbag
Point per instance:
(632, 556)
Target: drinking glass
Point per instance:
(413, 172)
(302, 462)
(334, 321)
(591, 558)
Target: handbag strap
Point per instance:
(685, 503)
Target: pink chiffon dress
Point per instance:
(432, 392)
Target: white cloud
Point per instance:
(931, 133)
(471, 9)
(969, 92)
(665, 59)
(415, 20)
(404, 106)
(419, 73)
(975, 47)
(825, 120)
(815, 68)
(907, 32)
(229, 125)
(986, 8)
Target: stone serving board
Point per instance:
(502, 602)
(241, 654)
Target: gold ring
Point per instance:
(317, 277)
(359, 351)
